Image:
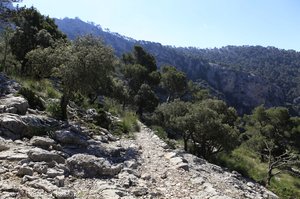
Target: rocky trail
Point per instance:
(72, 161)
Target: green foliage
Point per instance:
(206, 128)
(276, 65)
(271, 137)
(136, 75)
(54, 109)
(32, 30)
(6, 57)
(120, 92)
(6, 11)
(113, 106)
(249, 164)
(127, 124)
(33, 100)
(85, 66)
(140, 68)
(145, 59)
(160, 132)
(174, 81)
(102, 119)
(42, 88)
(145, 99)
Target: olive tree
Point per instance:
(88, 71)
(271, 135)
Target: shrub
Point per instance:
(54, 109)
(126, 125)
(101, 119)
(33, 100)
(160, 132)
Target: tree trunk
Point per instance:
(140, 111)
(23, 67)
(63, 105)
(185, 140)
(269, 177)
(185, 143)
(4, 57)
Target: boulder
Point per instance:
(25, 170)
(40, 168)
(140, 191)
(3, 145)
(38, 124)
(43, 184)
(63, 194)
(8, 86)
(15, 126)
(42, 142)
(12, 125)
(70, 137)
(12, 104)
(51, 173)
(59, 181)
(40, 155)
(83, 165)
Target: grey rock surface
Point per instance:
(13, 104)
(41, 155)
(83, 165)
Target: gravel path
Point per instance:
(174, 174)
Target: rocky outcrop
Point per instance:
(73, 161)
(17, 126)
(70, 137)
(82, 165)
(7, 85)
(12, 104)
(40, 155)
(241, 90)
(43, 142)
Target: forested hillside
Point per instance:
(80, 103)
(232, 73)
(276, 65)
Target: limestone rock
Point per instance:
(63, 194)
(70, 137)
(3, 145)
(14, 124)
(141, 191)
(25, 170)
(12, 104)
(247, 89)
(8, 86)
(40, 168)
(43, 184)
(83, 165)
(42, 142)
(51, 173)
(112, 193)
(59, 181)
(17, 126)
(39, 155)
(38, 124)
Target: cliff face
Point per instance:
(242, 90)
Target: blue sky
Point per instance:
(198, 23)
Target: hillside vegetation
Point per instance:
(154, 83)
(275, 69)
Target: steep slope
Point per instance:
(73, 161)
(234, 68)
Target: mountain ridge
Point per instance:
(196, 63)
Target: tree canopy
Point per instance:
(32, 30)
(271, 135)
